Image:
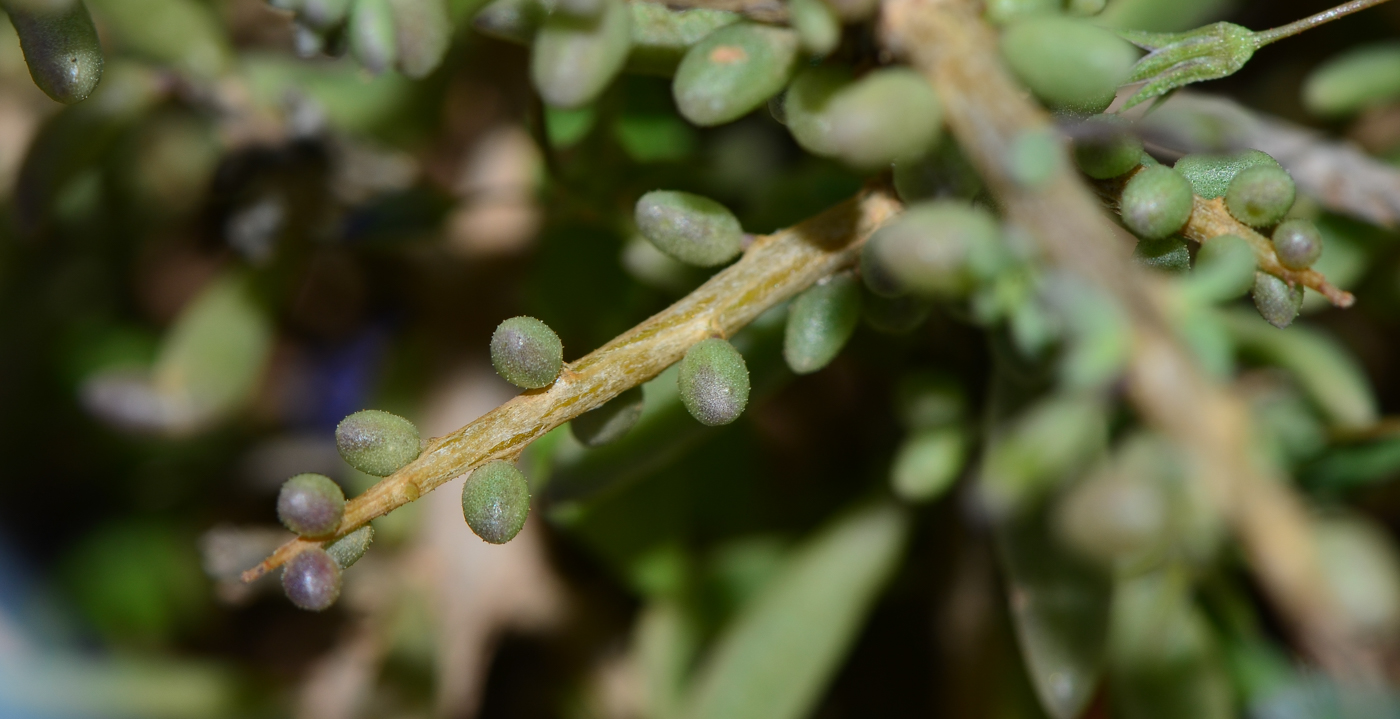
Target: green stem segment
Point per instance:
(1268, 36)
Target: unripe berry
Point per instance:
(1156, 202)
(733, 71)
(820, 322)
(1105, 147)
(714, 382)
(605, 424)
(1066, 61)
(526, 352)
(1210, 175)
(1277, 301)
(372, 38)
(311, 505)
(377, 442)
(939, 248)
(1261, 195)
(496, 501)
(573, 59)
(312, 580)
(693, 229)
(348, 549)
(62, 50)
(1298, 244)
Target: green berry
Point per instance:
(608, 423)
(1298, 244)
(1106, 147)
(496, 501)
(573, 59)
(939, 248)
(377, 442)
(894, 315)
(526, 352)
(312, 580)
(820, 322)
(926, 464)
(61, 49)
(1225, 268)
(311, 505)
(1168, 254)
(817, 26)
(1210, 175)
(693, 229)
(1277, 301)
(1067, 61)
(348, 549)
(372, 38)
(714, 382)
(1156, 202)
(1261, 195)
(733, 71)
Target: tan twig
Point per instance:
(773, 269)
(1210, 219)
(950, 43)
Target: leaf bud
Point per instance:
(1156, 202)
(693, 229)
(496, 501)
(312, 580)
(714, 382)
(311, 505)
(348, 549)
(377, 442)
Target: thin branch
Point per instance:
(1264, 37)
(950, 43)
(773, 269)
(1210, 219)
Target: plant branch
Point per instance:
(1264, 37)
(773, 269)
(950, 43)
(1210, 219)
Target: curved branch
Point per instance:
(773, 269)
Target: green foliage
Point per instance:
(1211, 174)
(372, 35)
(820, 322)
(733, 71)
(1167, 254)
(886, 116)
(311, 505)
(1359, 78)
(927, 463)
(574, 59)
(311, 580)
(693, 229)
(1066, 61)
(1175, 60)
(377, 442)
(496, 501)
(526, 352)
(1105, 147)
(714, 382)
(1156, 202)
(817, 25)
(938, 249)
(348, 549)
(1224, 269)
(774, 659)
(1277, 301)
(61, 49)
